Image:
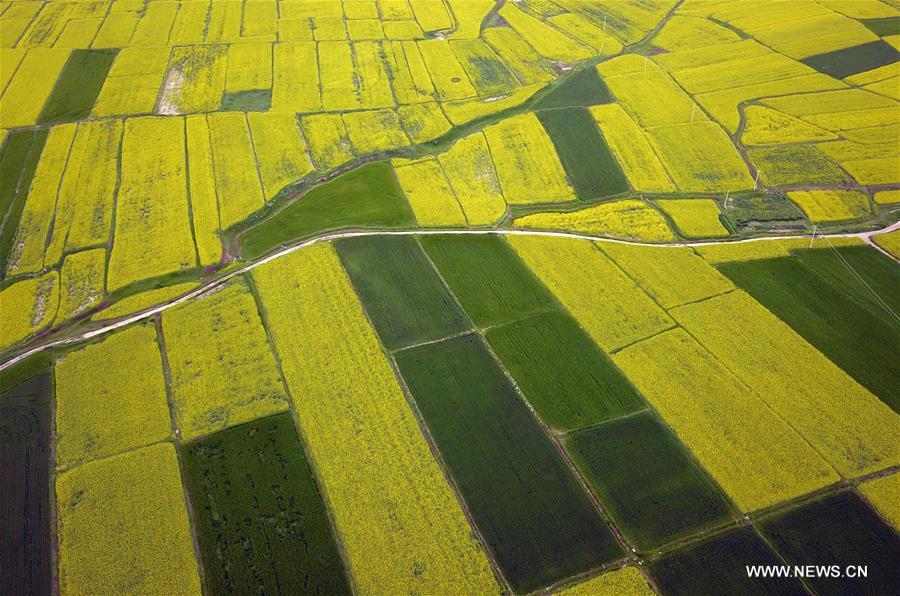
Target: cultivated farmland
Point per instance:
(449, 297)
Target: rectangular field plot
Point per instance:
(847, 332)
(260, 518)
(651, 487)
(487, 277)
(839, 530)
(78, 86)
(534, 515)
(718, 566)
(123, 526)
(403, 294)
(399, 523)
(222, 369)
(584, 154)
(563, 374)
(25, 549)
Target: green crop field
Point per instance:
(449, 297)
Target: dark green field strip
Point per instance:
(883, 27)
(746, 213)
(650, 486)
(78, 86)
(402, 293)
(719, 566)
(870, 277)
(585, 156)
(256, 100)
(843, 531)
(487, 276)
(261, 522)
(17, 166)
(564, 375)
(583, 88)
(25, 541)
(365, 197)
(854, 60)
(861, 343)
(533, 513)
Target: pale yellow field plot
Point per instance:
(279, 149)
(295, 86)
(190, 23)
(153, 231)
(521, 57)
(754, 455)
(631, 149)
(83, 278)
(449, 76)
(687, 33)
(140, 494)
(376, 130)
(249, 67)
(84, 209)
(432, 15)
(695, 218)
(234, 163)
(202, 188)
(470, 170)
(195, 80)
(116, 30)
(611, 307)
(629, 218)
(400, 525)
(889, 242)
(34, 225)
(133, 82)
(24, 98)
(587, 33)
(327, 140)
(374, 86)
(110, 397)
(526, 161)
(627, 581)
(338, 78)
(653, 99)
(429, 194)
(28, 307)
(549, 42)
(222, 370)
(887, 197)
(153, 28)
(411, 81)
(884, 494)
(673, 276)
(424, 121)
(765, 126)
(844, 422)
(831, 205)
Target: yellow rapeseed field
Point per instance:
(249, 67)
(884, 494)
(399, 523)
(234, 163)
(190, 24)
(610, 306)
(764, 249)
(631, 149)
(469, 15)
(765, 126)
(138, 302)
(587, 33)
(889, 242)
(376, 130)
(429, 194)
(153, 28)
(689, 32)
(110, 397)
(222, 370)
(423, 121)
(153, 232)
(756, 457)
(195, 79)
(487, 72)
(831, 205)
(627, 581)
(83, 279)
(402, 30)
(887, 197)
(202, 187)
(526, 161)
(628, 218)
(28, 306)
(337, 77)
(653, 98)
(432, 16)
(844, 422)
(116, 30)
(34, 225)
(411, 81)
(694, 218)
(466, 110)
(373, 83)
(364, 29)
(24, 97)
(549, 42)
(280, 154)
(520, 56)
(700, 157)
(84, 208)
(327, 140)
(295, 68)
(133, 82)
(470, 170)
(449, 77)
(673, 276)
(139, 495)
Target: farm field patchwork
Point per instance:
(448, 296)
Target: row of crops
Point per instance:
(452, 414)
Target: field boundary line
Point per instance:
(328, 237)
